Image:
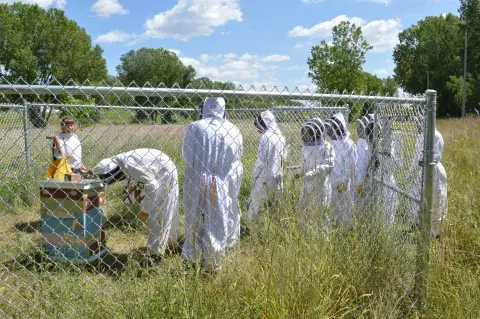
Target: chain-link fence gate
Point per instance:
(54, 224)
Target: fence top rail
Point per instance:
(149, 91)
(11, 106)
(267, 107)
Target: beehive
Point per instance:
(72, 219)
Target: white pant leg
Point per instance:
(342, 204)
(215, 224)
(194, 203)
(164, 215)
(256, 200)
(234, 210)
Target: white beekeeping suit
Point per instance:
(268, 170)
(211, 147)
(440, 201)
(318, 160)
(159, 174)
(343, 174)
(389, 158)
(364, 154)
(235, 177)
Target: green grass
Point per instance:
(281, 270)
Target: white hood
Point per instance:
(269, 120)
(438, 146)
(341, 119)
(105, 166)
(213, 107)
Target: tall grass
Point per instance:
(282, 269)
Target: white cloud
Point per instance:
(114, 36)
(107, 8)
(41, 3)
(230, 56)
(205, 57)
(247, 57)
(312, 1)
(191, 61)
(248, 70)
(293, 68)
(323, 29)
(383, 72)
(298, 45)
(189, 18)
(276, 58)
(225, 33)
(245, 69)
(177, 52)
(381, 34)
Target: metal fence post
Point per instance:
(26, 134)
(424, 240)
(375, 147)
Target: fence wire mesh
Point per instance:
(203, 192)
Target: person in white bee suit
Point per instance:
(343, 174)
(318, 160)
(440, 200)
(389, 158)
(212, 149)
(268, 170)
(235, 177)
(159, 174)
(364, 154)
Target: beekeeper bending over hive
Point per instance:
(159, 174)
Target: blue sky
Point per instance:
(248, 42)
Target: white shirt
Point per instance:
(72, 148)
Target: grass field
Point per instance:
(279, 270)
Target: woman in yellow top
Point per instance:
(67, 144)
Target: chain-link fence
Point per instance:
(205, 193)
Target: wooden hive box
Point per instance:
(72, 219)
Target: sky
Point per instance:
(248, 42)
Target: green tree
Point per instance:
(84, 116)
(44, 45)
(389, 86)
(158, 67)
(338, 66)
(433, 46)
(371, 84)
(455, 87)
(470, 14)
(206, 83)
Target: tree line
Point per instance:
(44, 46)
(429, 55)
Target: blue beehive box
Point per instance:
(72, 219)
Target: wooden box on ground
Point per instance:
(72, 219)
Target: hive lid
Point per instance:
(80, 185)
